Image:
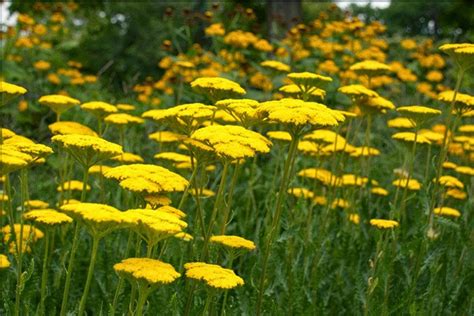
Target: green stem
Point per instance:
(69, 270)
(90, 272)
(143, 293)
(443, 152)
(276, 219)
(229, 199)
(217, 203)
(191, 180)
(44, 274)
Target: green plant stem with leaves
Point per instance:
(275, 227)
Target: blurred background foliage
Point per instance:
(126, 40)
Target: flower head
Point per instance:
(47, 217)
(88, 150)
(383, 223)
(213, 275)
(296, 114)
(66, 128)
(99, 108)
(58, 103)
(217, 88)
(122, 119)
(151, 271)
(147, 179)
(232, 142)
(447, 211)
(233, 242)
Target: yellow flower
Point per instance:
(151, 271)
(410, 137)
(447, 211)
(128, 158)
(66, 128)
(308, 80)
(370, 68)
(411, 184)
(99, 108)
(233, 242)
(213, 275)
(279, 135)
(216, 29)
(232, 142)
(418, 112)
(42, 65)
(365, 151)
(464, 102)
(149, 179)
(185, 115)
(12, 159)
(401, 122)
(275, 65)
(72, 185)
(125, 107)
(4, 262)
(166, 137)
(11, 89)
(36, 204)
(468, 128)
(99, 219)
(339, 203)
(449, 165)
(383, 223)
(122, 119)
(466, 170)
(355, 218)
(241, 110)
(456, 194)
(463, 53)
(88, 150)
(217, 88)
(358, 91)
(297, 113)
(172, 156)
(450, 182)
(155, 200)
(293, 90)
(379, 191)
(58, 103)
(301, 193)
(47, 217)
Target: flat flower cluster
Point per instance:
(330, 172)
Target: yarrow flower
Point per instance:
(217, 88)
(88, 150)
(233, 242)
(99, 109)
(232, 142)
(58, 103)
(296, 114)
(72, 185)
(47, 217)
(122, 119)
(410, 137)
(417, 112)
(447, 211)
(213, 275)
(411, 184)
(8, 91)
(383, 223)
(66, 128)
(370, 68)
(151, 271)
(147, 179)
(4, 262)
(99, 219)
(275, 65)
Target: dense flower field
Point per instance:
(328, 172)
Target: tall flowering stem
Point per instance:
(72, 255)
(90, 272)
(443, 151)
(276, 218)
